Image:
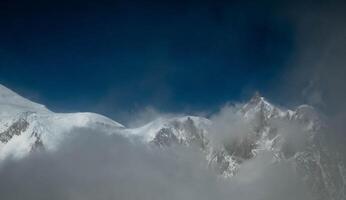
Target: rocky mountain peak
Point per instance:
(258, 105)
(256, 98)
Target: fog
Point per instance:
(228, 125)
(93, 165)
(316, 72)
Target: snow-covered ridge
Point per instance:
(149, 131)
(25, 124)
(11, 103)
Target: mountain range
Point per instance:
(296, 136)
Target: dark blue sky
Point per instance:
(115, 57)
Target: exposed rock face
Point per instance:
(165, 137)
(15, 129)
(182, 131)
(19, 126)
(38, 144)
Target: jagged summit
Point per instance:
(256, 98)
(176, 124)
(259, 105)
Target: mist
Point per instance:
(94, 165)
(315, 74)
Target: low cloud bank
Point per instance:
(94, 165)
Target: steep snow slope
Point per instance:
(26, 126)
(12, 104)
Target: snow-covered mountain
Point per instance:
(294, 136)
(26, 126)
